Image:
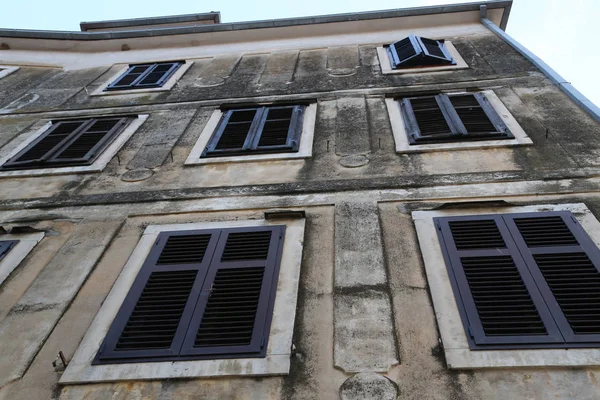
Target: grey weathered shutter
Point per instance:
(234, 312)
(145, 76)
(499, 301)
(89, 142)
(279, 129)
(6, 246)
(233, 135)
(435, 52)
(565, 264)
(155, 315)
(428, 120)
(416, 51)
(478, 116)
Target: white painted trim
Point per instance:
(386, 63)
(401, 135)
(277, 361)
(27, 242)
(24, 139)
(304, 151)
(6, 70)
(454, 339)
(164, 88)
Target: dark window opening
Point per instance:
(143, 76)
(204, 294)
(450, 118)
(69, 143)
(257, 130)
(416, 51)
(6, 246)
(528, 280)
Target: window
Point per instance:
(462, 120)
(444, 118)
(144, 76)
(199, 294)
(14, 247)
(514, 286)
(257, 130)
(69, 143)
(6, 246)
(417, 51)
(524, 280)
(171, 313)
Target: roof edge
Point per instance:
(214, 16)
(273, 23)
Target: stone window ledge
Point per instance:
(27, 242)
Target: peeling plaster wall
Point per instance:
(364, 303)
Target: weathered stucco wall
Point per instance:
(364, 303)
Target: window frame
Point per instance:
(278, 353)
(306, 137)
(23, 244)
(401, 131)
(6, 70)
(33, 134)
(458, 352)
(150, 67)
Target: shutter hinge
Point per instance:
(437, 223)
(262, 342)
(471, 332)
(573, 218)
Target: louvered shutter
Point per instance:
(89, 141)
(428, 120)
(233, 135)
(497, 296)
(434, 51)
(477, 116)
(233, 315)
(145, 76)
(565, 264)
(279, 129)
(156, 313)
(6, 246)
(405, 52)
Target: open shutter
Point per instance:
(233, 314)
(6, 246)
(428, 120)
(478, 117)
(234, 133)
(155, 315)
(130, 77)
(497, 296)
(89, 142)
(43, 147)
(435, 52)
(565, 264)
(405, 52)
(279, 129)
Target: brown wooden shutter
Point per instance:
(497, 296)
(155, 315)
(233, 315)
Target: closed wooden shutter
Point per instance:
(74, 142)
(199, 294)
(496, 293)
(257, 130)
(145, 76)
(6, 246)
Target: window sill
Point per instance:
(455, 342)
(96, 166)
(386, 64)
(403, 146)
(164, 88)
(277, 361)
(305, 150)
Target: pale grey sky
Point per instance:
(562, 33)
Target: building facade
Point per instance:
(397, 204)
